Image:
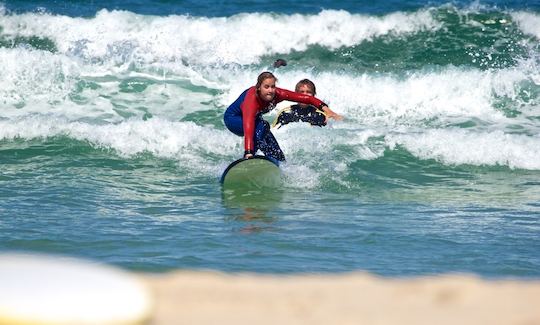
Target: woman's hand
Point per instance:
(335, 116)
(248, 154)
(331, 114)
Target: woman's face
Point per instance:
(267, 90)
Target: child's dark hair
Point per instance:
(308, 83)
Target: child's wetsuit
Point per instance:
(297, 113)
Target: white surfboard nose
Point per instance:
(39, 289)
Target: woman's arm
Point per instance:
(250, 108)
(284, 94)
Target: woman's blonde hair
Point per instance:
(262, 77)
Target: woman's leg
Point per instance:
(265, 141)
(234, 124)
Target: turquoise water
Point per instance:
(112, 141)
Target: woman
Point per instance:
(244, 116)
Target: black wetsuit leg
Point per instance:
(266, 141)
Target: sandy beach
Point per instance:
(188, 297)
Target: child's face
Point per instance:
(306, 90)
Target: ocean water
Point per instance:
(112, 141)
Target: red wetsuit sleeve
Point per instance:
(250, 107)
(284, 94)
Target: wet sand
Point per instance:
(188, 297)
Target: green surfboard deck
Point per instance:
(255, 173)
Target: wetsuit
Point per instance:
(297, 113)
(244, 118)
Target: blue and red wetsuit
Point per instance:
(244, 118)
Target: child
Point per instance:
(305, 112)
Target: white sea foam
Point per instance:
(41, 82)
(378, 107)
(162, 138)
(120, 37)
(117, 45)
(36, 76)
(443, 96)
(308, 151)
(190, 64)
(301, 176)
(528, 22)
(459, 146)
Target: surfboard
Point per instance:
(254, 173)
(43, 289)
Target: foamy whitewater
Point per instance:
(112, 141)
